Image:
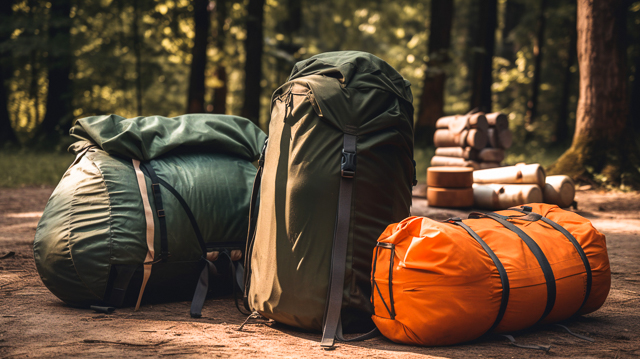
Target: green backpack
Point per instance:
(337, 169)
(146, 206)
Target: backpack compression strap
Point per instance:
(340, 240)
(148, 215)
(203, 282)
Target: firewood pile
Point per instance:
(475, 140)
(478, 141)
(505, 187)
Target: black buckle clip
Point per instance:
(348, 165)
(160, 213)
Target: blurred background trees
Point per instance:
(66, 59)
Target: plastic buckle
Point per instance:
(155, 187)
(348, 165)
(160, 213)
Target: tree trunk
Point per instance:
(253, 61)
(220, 93)
(285, 49)
(483, 63)
(137, 48)
(512, 17)
(7, 134)
(122, 81)
(562, 126)
(432, 99)
(202, 19)
(602, 147)
(634, 111)
(532, 105)
(59, 109)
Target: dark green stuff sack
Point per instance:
(338, 168)
(197, 172)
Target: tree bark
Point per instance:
(512, 17)
(432, 99)
(602, 148)
(483, 65)
(137, 48)
(532, 105)
(562, 126)
(202, 19)
(220, 93)
(634, 110)
(7, 134)
(253, 61)
(59, 109)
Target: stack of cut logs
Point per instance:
(474, 140)
(496, 188)
(505, 187)
(450, 187)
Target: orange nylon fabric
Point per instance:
(447, 290)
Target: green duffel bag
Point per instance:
(146, 207)
(338, 168)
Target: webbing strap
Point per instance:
(190, 215)
(150, 232)
(542, 260)
(504, 279)
(340, 241)
(372, 334)
(583, 337)
(157, 199)
(512, 341)
(254, 208)
(124, 273)
(572, 239)
(390, 308)
(201, 290)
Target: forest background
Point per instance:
(67, 59)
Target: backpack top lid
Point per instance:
(355, 69)
(146, 138)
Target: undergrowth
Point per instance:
(25, 168)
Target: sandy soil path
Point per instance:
(34, 323)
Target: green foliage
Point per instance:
(26, 168)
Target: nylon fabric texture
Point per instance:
(146, 138)
(446, 289)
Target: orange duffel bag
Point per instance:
(442, 283)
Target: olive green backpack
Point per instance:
(146, 207)
(337, 169)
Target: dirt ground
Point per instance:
(34, 323)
